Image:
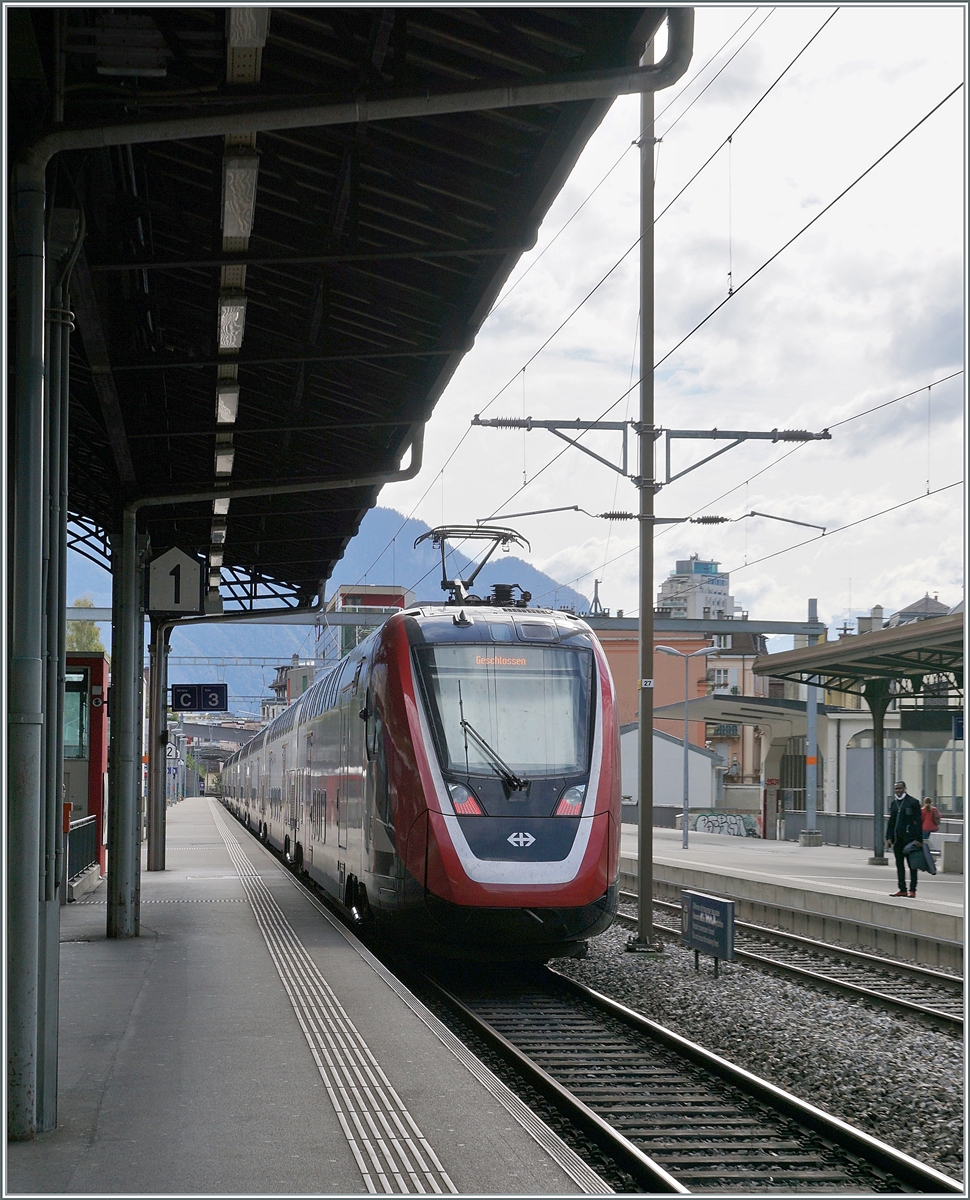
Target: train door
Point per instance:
(343, 781)
(316, 796)
(379, 831)
(291, 781)
(305, 789)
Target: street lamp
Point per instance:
(687, 657)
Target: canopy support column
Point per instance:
(877, 694)
(124, 819)
(25, 733)
(157, 742)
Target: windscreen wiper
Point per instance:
(499, 766)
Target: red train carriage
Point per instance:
(455, 780)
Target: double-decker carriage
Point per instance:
(454, 781)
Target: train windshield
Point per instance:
(522, 709)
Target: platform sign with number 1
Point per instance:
(175, 583)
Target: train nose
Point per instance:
(521, 839)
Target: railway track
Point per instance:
(648, 1109)
(933, 995)
(669, 1114)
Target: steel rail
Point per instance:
(815, 946)
(630, 897)
(872, 962)
(907, 1170)
(622, 1151)
(832, 983)
(625, 1154)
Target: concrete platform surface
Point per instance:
(835, 880)
(246, 1044)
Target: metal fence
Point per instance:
(82, 846)
(664, 817)
(849, 829)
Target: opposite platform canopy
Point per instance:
(788, 715)
(912, 655)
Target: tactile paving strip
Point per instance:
(392, 1153)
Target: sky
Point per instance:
(864, 307)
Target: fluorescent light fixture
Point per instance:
(247, 27)
(232, 320)
(224, 457)
(215, 557)
(215, 578)
(218, 535)
(227, 403)
(239, 173)
(220, 507)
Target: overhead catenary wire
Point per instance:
(830, 425)
(666, 209)
(575, 213)
(713, 79)
(754, 274)
(592, 292)
(851, 525)
(845, 191)
(832, 532)
(895, 400)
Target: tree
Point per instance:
(84, 637)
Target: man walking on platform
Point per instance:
(905, 826)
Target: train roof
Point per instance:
(437, 623)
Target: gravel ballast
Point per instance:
(896, 1078)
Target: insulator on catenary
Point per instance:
(618, 516)
(792, 435)
(709, 520)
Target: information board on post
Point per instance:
(200, 697)
(707, 926)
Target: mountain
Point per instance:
(382, 552)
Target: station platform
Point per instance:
(822, 891)
(246, 1043)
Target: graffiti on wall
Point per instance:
(735, 824)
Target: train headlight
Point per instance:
(571, 802)
(466, 805)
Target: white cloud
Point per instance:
(865, 306)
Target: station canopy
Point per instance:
(724, 709)
(286, 306)
(918, 658)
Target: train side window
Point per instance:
(382, 790)
(374, 727)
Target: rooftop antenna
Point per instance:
(596, 609)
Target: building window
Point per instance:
(722, 641)
(720, 677)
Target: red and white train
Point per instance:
(455, 781)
